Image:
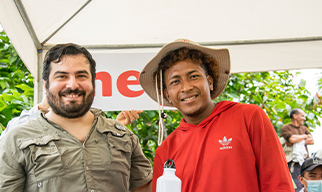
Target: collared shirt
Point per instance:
(41, 156)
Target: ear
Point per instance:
(210, 82)
(166, 95)
(44, 85)
(301, 180)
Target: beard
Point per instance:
(70, 110)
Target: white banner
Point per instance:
(117, 80)
(118, 88)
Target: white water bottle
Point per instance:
(169, 182)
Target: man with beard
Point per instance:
(298, 137)
(72, 147)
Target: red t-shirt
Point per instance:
(235, 149)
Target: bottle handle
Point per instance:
(169, 164)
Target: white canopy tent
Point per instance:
(123, 35)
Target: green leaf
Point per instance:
(279, 124)
(302, 83)
(3, 65)
(233, 95)
(309, 124)
(310, 116)
(3, 105)
(24, 87)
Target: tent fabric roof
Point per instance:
(36, 25)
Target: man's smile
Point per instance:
(189, 98)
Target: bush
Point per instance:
(16, 83)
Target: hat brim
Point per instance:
(310, 168)
(147, 80)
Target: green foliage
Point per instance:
(16, 83)
(276, 93)
(319, 84)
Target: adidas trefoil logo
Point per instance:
(225, 143)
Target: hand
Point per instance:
(128, 117)
(43, 105)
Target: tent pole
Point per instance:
(214, 43)
(38, 86)
(28, 24)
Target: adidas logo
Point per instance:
(225, 143)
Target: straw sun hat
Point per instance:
(147, 80)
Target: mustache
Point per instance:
(69, 91)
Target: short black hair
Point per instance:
(294, 112)
(56, 53)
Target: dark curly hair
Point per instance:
(56, 53)
(208, 63)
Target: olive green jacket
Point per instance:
(41, 156)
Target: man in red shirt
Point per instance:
(223, 146)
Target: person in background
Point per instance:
(298, 137)
(223, 146)
(72, 147)
(311, 175)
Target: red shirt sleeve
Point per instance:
(271, 163)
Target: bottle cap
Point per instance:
(169, 164)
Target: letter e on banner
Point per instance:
(123, 82)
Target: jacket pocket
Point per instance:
(44, 158)
(120, 147)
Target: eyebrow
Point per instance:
(83, 71)
(193, 71)
(60, 72)
(312, 174)
(78, 72)
(176, 76)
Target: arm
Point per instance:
(128, 117)
(145, 188)
(141, 169)
(309, 140)
(273, 173)
(297, 138)
(12, 176)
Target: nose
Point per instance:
(186, 86)
(72, 83)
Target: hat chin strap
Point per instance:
(162, 115)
